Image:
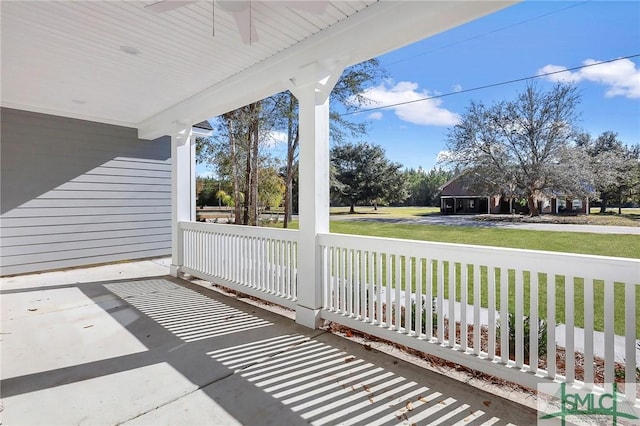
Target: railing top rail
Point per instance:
(580, 265)
(242, 230)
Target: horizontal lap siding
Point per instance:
(77, 193)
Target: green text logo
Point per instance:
(583, 407)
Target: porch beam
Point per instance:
(375, 30)
(183, 179)
(311, 85)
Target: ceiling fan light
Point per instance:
(129, 50)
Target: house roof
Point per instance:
(458, 186)
(116, 62)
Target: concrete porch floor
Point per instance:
(128, 344)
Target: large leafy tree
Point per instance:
(616, 167)
(235, 153)
(424, 186)
(363, 174)
(270, 188)
(525, 146)
(348, 94)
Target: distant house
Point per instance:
(560, 204)
(458, 196)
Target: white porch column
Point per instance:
(312, 86)
(183, 179)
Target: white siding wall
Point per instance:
(76, 192)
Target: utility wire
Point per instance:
(515, 24)
(487, 86)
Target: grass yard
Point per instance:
(615, 245)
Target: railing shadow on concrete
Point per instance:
(257, 367)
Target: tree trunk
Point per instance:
(288, 204)
(375, 205)
(352, 210)
(234, 171)
(533, 209)
(247, 181)
(293, 139)
(603, 205)
(254, 165)
(620, 203)
(288, 191)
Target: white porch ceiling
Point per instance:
(66, 57)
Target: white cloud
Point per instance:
(377, 115)
(622, 78)
(275, 138)
(426, 113)
(444, 156)
(457, 88)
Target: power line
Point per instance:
(487, 86)
(515, 24)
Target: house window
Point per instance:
(562, 205)
(576, 204)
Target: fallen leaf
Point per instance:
(366, 388)
(423, 399)
(371, 400)
(367, 347)
(348, 333)
(349, 358)
(88, 326)
(409, 405)
(486, 403)
(32, 309)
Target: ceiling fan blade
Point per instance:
(247, 30)
(167, 5)
(317, 7)
(241, 12)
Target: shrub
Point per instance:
(542, 336)
(434, 316)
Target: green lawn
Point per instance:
(615, 245)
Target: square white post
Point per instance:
(313, 202)
(312, 86)
(182, 190)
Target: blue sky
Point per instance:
(516, 42)
(523, 40)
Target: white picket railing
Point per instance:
(412, 293)
(261, 262)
